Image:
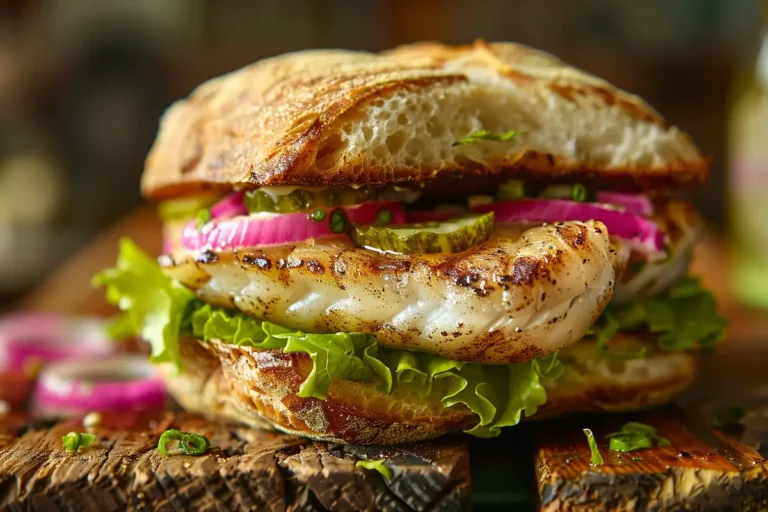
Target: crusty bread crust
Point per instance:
(259, 387)
(336, 117)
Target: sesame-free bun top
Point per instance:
(329, 117)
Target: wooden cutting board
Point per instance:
(245, 469)
(702, 469)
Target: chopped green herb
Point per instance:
(728, 416)
(635, 436)
(514, 189)
(595, 458)
(194, 444)
(376, 465)
(384, 216)
(202, 218)
(165, 438)
(189, 443)
(338, 223)
(317, 215)
(482, 135)
(579, 193)
(75, 440)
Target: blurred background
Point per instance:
(83, 82)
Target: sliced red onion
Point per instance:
(644, 233)
(276, 229)
(43, 337)
(439, 214)
(230, 206)
(117, 383)
(636, 204)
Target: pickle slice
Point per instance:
(430, 237)
(306, 199)
(301, 200)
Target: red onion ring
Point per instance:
(230, 206)
(643, 233)
(636, 204)
(278, 229)
(43, 337)
(78, 386)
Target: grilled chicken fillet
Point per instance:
(526, 292)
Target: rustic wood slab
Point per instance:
(246, 469)
(703, 469)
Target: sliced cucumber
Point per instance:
(432, 237)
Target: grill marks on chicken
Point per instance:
(526, 292)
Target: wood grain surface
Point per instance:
(702, 469)
(245, 469)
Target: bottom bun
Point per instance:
(259, 387)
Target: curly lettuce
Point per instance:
(160, 310)
(685, 318)
(153, 304)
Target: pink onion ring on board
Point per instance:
(276, 229)
(116, 383)
(27, 338)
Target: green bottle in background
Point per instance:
(749, 177)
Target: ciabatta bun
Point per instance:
(337, 117)
(259, 387)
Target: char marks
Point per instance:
(526, 292)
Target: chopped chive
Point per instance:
(384, 216)
(317, 215)
(338, 222)
(579, 193)
(595, 458)
(194, 444)
(189, 443)
(166, 437)
(480, 135)
(75, 440)
(202, 218)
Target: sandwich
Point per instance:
(383, 248)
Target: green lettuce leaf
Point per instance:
(154, 305)
(160, 310)
(685, 317)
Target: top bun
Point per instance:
(330, 117)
